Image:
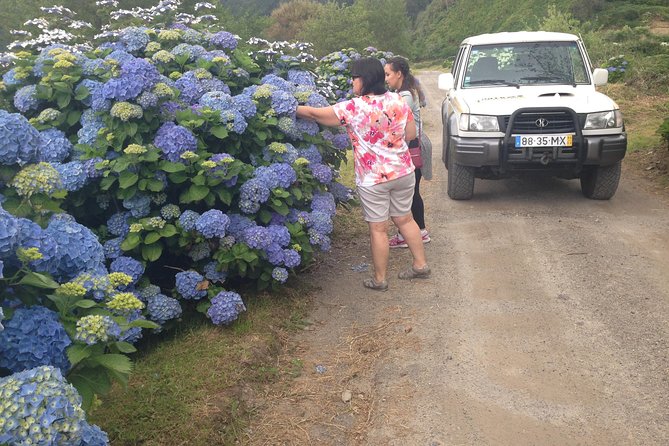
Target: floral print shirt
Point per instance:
(375, 124)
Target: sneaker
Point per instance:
(425, 236)
(397, 241)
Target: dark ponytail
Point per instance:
(409, 83)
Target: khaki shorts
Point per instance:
(389, 199)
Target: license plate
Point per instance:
(543, 140)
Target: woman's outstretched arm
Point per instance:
(322, 115)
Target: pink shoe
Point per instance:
(425, 236)
(397, 241)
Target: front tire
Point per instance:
(460, 179)
(601, 183)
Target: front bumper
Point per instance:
(600, 150)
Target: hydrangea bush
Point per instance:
(149, 175)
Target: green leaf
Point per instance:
(107, 182)
(130, 242)
(73, 117)
(143, 323)
(203, 306)
(63, 100)
(178, 177)
(127, 179)
(125, 347)
(155, 185)
(168, 230)
(171, 167)
(151, 237)
(39, 280)
(225, 195)
(114, 361)
(199, 180)
(77, 353)
(152, 252)
(82, 93)
(219, 131)
(85, 303)
(84, 387)
(194, 193)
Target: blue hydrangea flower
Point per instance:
(341, 141)
(187, 283)
(112, 248)
(211, 272)
(278, 83)
(9, 234)
(275, 254)
(173, 140)
(25, 99)
(279, 234)
(33, 337)
(139, 205)
(10, 80)
(280, 153)
(92, 86)
(78, 248)
(301, 77)
(283, 102)
(311, 153)
(311, 128)
(321, 222)
(324, 202)
(212, 223)
(95, 329)
(147, 100)
(288, 125)
(340, 192)
(318, 239)
(245, 105)
(254, 190)
(199, 251)
(44, 409)
(193, 52)
(73, 175)
(91, 124)
(128, 265)
(291, 258)
(136, 76)
(170, 211)
(118, 224)
(161, 308)
(321, 172)
(285, 174)
(134, 38)
(31, 235)
(19, 141)
(280, 274)
(54, 147)
(238, 223)
(225, 307)
(188, 219)
(148, 291)
(257, 237)
(225, 40)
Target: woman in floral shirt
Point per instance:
(379, 124)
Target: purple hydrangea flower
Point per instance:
(78, 248)
(118, 224)
(224, 39)
(19, 140)
(161, 308)
(188, 219)
(54, 147)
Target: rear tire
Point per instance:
(601, 183)
(460, 180)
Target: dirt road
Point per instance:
(546, 322)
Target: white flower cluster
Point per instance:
(206, 5)
(59, 10)
(48, 37)
(147, 14)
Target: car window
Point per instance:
(525, 64)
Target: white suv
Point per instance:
(524, 102)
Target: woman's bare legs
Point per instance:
(411, 233)
(378, 236)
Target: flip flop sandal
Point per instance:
(374, 285)
(414, 273)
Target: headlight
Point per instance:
(603, 120)
(478, 123)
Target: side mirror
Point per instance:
(445, 81)
(600, 76)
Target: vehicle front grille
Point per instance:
(543, 122)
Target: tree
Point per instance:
(289, 18)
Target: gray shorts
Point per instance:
(389, 199)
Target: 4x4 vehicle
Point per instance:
(522, 102)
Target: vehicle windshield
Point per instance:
(527, 63)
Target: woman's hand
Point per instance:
(322, 115)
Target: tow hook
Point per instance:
(546, 158)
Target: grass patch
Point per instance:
(643, 115)
(187, 385)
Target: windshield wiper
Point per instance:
(494, 81)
